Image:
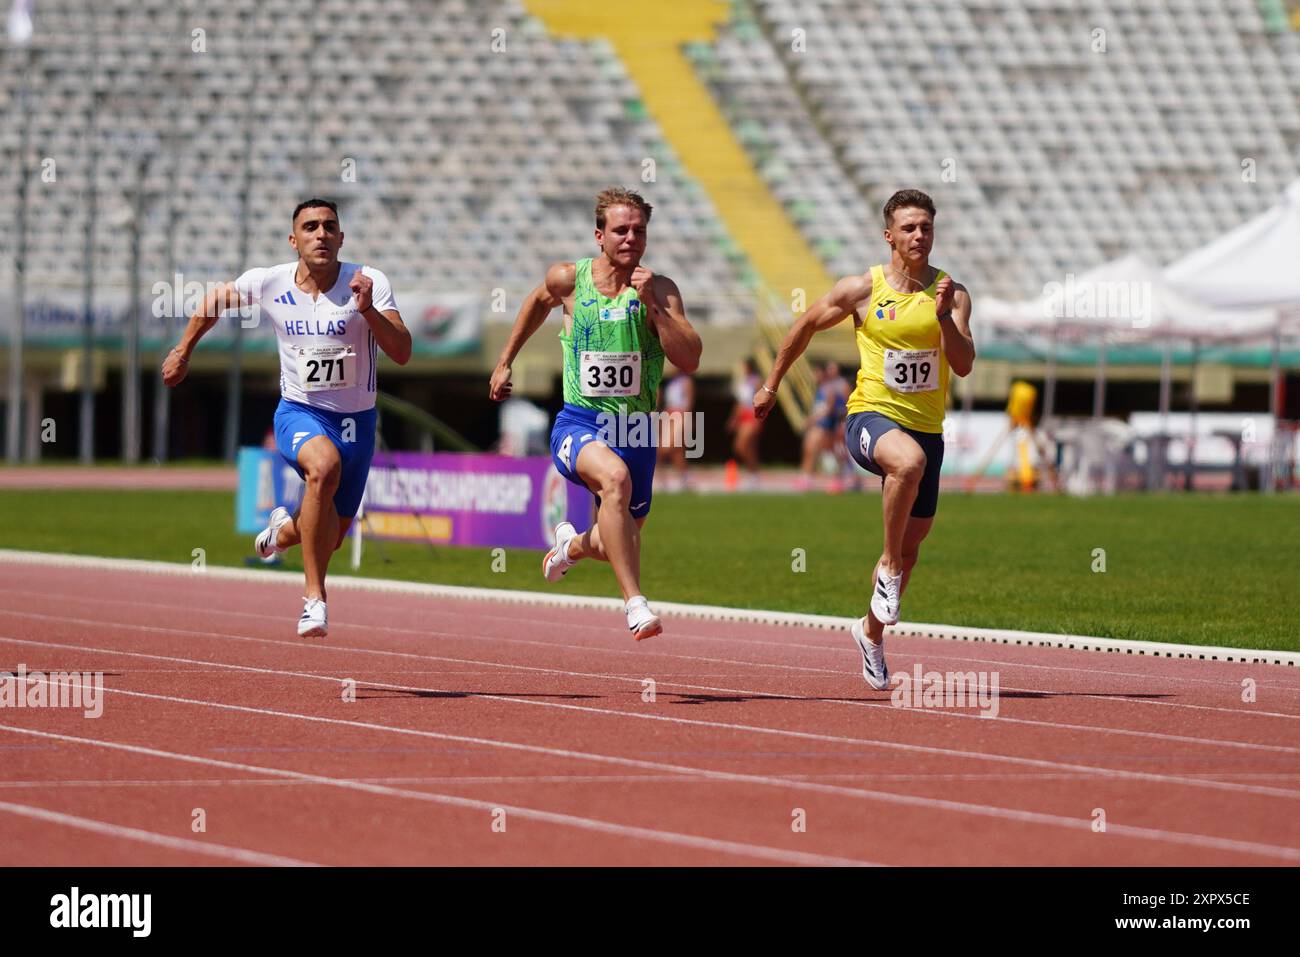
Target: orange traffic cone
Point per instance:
(731, 480)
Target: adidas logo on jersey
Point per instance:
(286, 299)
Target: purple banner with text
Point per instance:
(479, 500)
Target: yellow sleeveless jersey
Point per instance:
(904, 372)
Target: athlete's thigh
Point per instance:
(595, 461)
(570, 441)
(896, 450)
(319, 454)
(295, 428)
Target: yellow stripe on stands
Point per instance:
(648, 38)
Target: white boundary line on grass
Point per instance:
(997, 636)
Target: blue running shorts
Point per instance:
(576, 427)
(353, 434)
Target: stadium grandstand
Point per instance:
(464, 141)
(909, 479)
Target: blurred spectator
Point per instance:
(678, 403)
(743, 423)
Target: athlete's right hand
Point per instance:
(174, 368)
(500, 387)
(763, 402)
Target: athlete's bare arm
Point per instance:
(556, 289)
(952, 304)
(667, 316)
(845, 299)
(390, 332)
(218, 300)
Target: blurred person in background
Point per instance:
(744, 423)
(825, 421)
(678, 404)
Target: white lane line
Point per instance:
(914, 801)
(707, 612)
(531, 779)
(590, 709)
(239, 854)
(1261, 790)
(1105, 772)
(641, 653)
(731, 640)
(735, 848)
(929, 712)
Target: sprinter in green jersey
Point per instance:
(620, 321)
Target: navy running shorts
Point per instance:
(861, 432)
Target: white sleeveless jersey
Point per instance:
(327, 351)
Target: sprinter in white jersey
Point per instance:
(330, 318)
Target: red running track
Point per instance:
(490, 733)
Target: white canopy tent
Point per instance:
(1125, 300)
(1250, 267)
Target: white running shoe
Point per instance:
(641, 621)
(557, 562)
(874, 669)
(884, 598)
(264, 544)
(314, 622)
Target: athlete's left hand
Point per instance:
(943, 296)
(361, 286)
(643, 282)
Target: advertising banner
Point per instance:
(479, 500)
(446, 498)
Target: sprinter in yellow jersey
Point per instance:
(913, 326)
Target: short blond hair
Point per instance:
(618, 196)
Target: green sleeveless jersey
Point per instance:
(612, 360)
